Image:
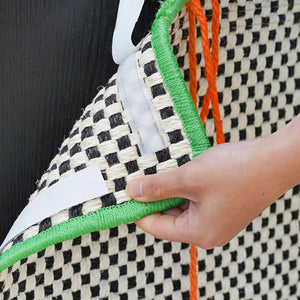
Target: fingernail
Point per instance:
(134, 189)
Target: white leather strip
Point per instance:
(128, 13)
(82, 186)
(138, 107)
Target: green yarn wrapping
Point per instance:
(112, 216)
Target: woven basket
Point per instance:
(92, 250)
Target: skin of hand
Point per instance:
(227, 186)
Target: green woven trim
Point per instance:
(112, 216)
(101, 219)
(173, 79)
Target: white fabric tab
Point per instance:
(128, 13)
(138, 107)
(82, 186)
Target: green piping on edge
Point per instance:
(95, 221)
(173, 79)
(130, 211)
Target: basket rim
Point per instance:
(172, 77)
(129, 211)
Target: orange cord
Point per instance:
(193, 93)
(211, 67)
(211, 64)
(192, 52)
(214, 55)
(193, 273)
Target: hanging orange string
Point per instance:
(193, 273)
(211, 64)
(211, 67)
(193, 93)
(214, 55)
(192, 53)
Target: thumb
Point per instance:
(156, 187)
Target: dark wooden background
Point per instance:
(54, 55)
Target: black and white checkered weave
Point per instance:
(121, 263)
(258, 85)
(258, 75)
(259, 90)
(103, 136)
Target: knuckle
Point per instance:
(189, 180)
(210, 241)
(207, 245)
(153, 189)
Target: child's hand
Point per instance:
(227, 187)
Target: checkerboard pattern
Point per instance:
(103, 136)
(258, 84)
(120, 263)
(258, 75)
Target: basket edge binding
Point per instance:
(173, 79)
(132, 210)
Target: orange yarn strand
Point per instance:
(211, 64)
(215, 33)
(214, 55)
(209, 70)
(192, 53)
(193, 92)
(205, 108)
(215, 61)
(193, 273)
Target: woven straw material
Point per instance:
(103, 128)
(258, 75)
(121, 263)
(258, 83)
(103, 136)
